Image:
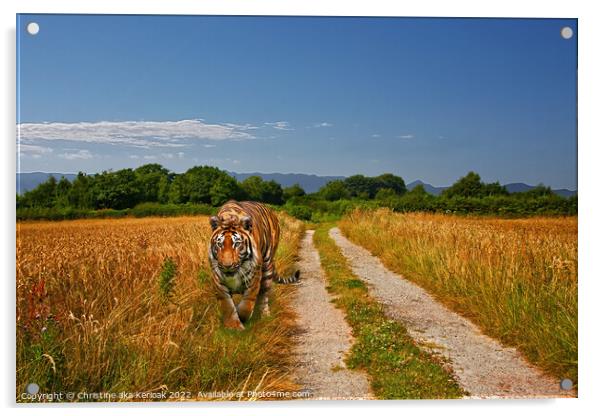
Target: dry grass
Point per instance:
(92, 315)
(517, 279)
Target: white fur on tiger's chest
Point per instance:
(240, 280)
(233, 282)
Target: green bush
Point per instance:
(167, 278)
(300, 212)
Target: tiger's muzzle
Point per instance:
(229, 268)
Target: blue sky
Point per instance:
(427, 99)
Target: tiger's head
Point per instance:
(231, 242)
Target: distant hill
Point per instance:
(521, 187)
(433, 190)
(564, 192)
(311, 183)
(28, 181)
(511, 187)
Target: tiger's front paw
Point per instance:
(245, 310)
(234, 324)
(265, 310)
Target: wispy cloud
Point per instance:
(33, 150)
(375, 136)
(406, 136)
(280, 125)
(322, 124)
(78, 154)
(178, 155)
(144, 134)
(242, 127)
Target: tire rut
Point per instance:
(324, 336)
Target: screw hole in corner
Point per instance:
(566, 32)
(33, 28)
(566, 384)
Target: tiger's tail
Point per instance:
(290, 279)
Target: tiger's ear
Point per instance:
(214, 221)
(246, 223)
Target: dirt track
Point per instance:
(324, 336)
(483, 367)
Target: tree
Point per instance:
(204, 184)
(116, 190)
(224, 189)
(390, 181)
(151, 178)
(469, 185)
(177, 193)
(292, 191)
(494, 188)
(472, 186)
(418, 191)
(272, 192)
(385, 194)
(361, 186)
(164, 185)
(81, 193)
(43, 196)
(253, 188)
(257, 189)
(334, 191)
(539, 191)
(198, 183)
(416, 200)
(63, 187)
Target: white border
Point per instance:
(590, 178)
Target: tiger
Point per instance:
(242, 248)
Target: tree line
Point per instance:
(152, 186)
(126, 188)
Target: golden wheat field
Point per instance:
(91, 316)
(515, 278)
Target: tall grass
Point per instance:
(517, 278)
(91, 314)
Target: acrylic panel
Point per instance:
(295, 208)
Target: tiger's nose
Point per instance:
(229, 267)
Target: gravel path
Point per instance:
(324, 336)
(483, 367)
